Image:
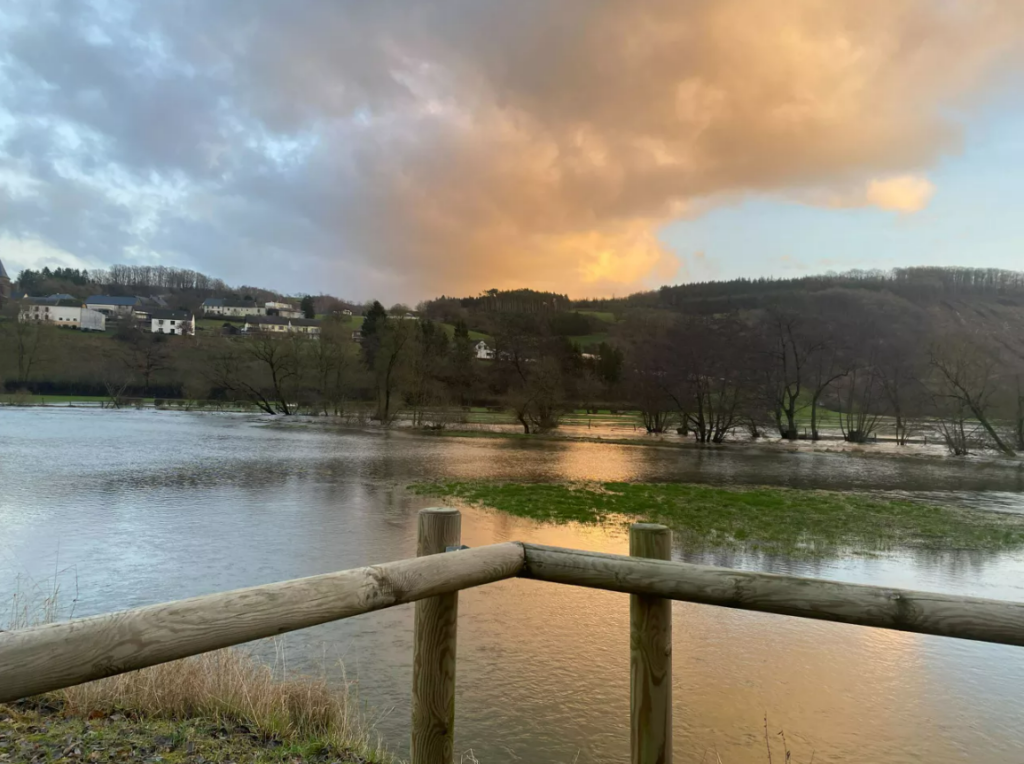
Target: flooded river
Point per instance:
(135, 507)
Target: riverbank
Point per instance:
(787, 521)
(218, 707)
(618, 429)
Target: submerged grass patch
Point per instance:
(783, 520)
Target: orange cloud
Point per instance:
(580, 127)
(456, 145)
(905, 193)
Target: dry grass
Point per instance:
(229, 687)
(234, 686)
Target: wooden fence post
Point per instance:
(433, 672)
(650, 657)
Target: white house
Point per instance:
(282, 325)
(220, 306)
(346, 312)
(64, 316)
(178, 322)
(112, 306)
(284, 310)
(483, 352)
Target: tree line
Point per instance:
(838, 361)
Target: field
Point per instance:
(590, 340)
(775, 520)
(608, 318)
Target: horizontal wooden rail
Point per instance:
(47, 658)
(899, 609)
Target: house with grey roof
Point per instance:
(112, 307)
(282, 325)
(222, 306)
(179, 322)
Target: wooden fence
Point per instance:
(47, 658)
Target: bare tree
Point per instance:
(261, 368)
(536, 396)
(652, 369)
(965, 378)
(29, 342)
(785, 373)
(859, 395)
(712, 376)
(390, 364)
(145, 354)
(334, 365)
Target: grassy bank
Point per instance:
(219, 707)
(780, 520)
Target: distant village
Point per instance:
(153, 314)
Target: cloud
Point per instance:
(906, 193)
(407, 148)
(32, 253)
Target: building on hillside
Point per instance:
(5, 284)
(221, 306)
(92, 321)
(65, 316)
(179, 322)
(53, 299)
(346, 312)
(410, 317)
(280, 324)
(284, 310)
(112, 307)
(483, 351)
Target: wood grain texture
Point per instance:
(898, 609)
(434, 640)
(650, 656)
(50, 657)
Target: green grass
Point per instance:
(449, 329)
(37, 732)
(608, 318)
(780, 520)
(53, 399)
(589, 340)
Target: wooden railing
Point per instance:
(46, 658)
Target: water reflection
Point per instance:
(227, 501)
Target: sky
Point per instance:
(402, 149)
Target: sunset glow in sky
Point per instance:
(595, 147)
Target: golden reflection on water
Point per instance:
(832, 689)
(543, 670)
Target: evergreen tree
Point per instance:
(373, 329)
(463, 355)
(308, 309)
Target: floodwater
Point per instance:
(128, 508)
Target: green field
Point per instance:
(608, 318)
(776, 520)
(475, 336)
(51, 399)
(590, 340)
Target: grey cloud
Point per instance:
(414, 146)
